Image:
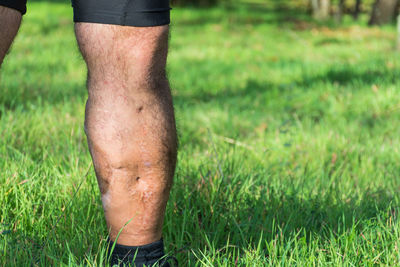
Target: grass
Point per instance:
(289, 143)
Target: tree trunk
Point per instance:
(398, 33)
(357, 9)
(383, 12)
(320, 9)
(340, 11)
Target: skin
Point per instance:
(130, 126)
(129, 122)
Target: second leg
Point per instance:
(10, 20)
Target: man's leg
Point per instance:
(130, 126)
(10, 20)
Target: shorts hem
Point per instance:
(14, 5)
(138, 19)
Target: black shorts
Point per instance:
(139, 13)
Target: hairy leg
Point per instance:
(130, 126)
(10, 20)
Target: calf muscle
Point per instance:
(130, 126)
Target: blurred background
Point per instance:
(378, 11)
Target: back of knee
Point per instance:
(123, 52)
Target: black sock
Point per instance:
(138, 256)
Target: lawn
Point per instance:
(289, 143)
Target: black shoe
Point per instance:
(140, 256)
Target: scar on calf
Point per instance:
(104, 184)
(132, 182)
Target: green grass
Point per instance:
(289, 143)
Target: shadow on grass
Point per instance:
(17, 94)
(349, 76)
